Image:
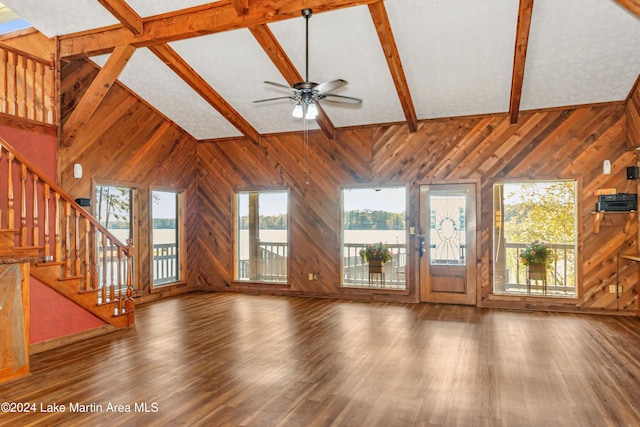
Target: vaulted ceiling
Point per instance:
(203, 64)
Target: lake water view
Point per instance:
(392, 237)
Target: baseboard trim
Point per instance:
(69, 339)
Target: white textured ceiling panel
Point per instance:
(57, 17)
(156, 83)
(343, 44)
(457, 54)
(146, 8)
(580, 52)
(234, 64)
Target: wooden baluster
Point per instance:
(96, 259)
(36, 226)
(129, 304)
(120, 303)
(10, 195)
(42, 116)
(103, 294)
(33, 100)
(112, 272)
(57, 253)
(121, 281)
(14, 69)
(4, 74)
(52, 91)
(76, 240)
(23, 205)
(25, 94)
(87, 255)
(103, 273)
(67, 239)
(47, 242)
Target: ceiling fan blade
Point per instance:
(339, 99)
(329, 86)
(279, 85)
(274, 99)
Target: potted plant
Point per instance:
(536, 257)
(376, 254)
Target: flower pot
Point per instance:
(537, 272)
(376, 266)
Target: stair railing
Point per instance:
(27, 85)
(46, 219)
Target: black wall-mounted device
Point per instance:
(84, 202)
(632, 172)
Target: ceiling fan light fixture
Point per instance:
(312, 111)
(297, 111)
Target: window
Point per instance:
(535, 213)
(10, 22)
(262, 236)
(165, 236)
(114, 209)
(370, 216)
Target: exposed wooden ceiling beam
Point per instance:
(193, 79)
(193, 22)
(241, 6)
(278, 56)
(95, 94)
(519, 58)
(632, 6)
(387, 40)
(125, 14)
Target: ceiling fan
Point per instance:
(306, 94)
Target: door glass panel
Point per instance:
(447, 229)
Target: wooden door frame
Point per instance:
(472, 296)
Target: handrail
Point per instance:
(78, 237)
(53, 186)
(49, 63)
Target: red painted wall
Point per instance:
(52, 315)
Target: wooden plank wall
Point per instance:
(570, 143)
(633, 115)
(128, 142)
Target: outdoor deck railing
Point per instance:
(560, 274)
(355, 271)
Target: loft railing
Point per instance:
(27, 86)
(44, 218)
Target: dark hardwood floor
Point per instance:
(241, 360)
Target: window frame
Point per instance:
(236, 240)
(181, 226)
(406, 232)
(135, 198)
(577, 258)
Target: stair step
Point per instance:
(70, 278)
(21, 252)
(48, 263)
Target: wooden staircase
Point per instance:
(75, 254)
